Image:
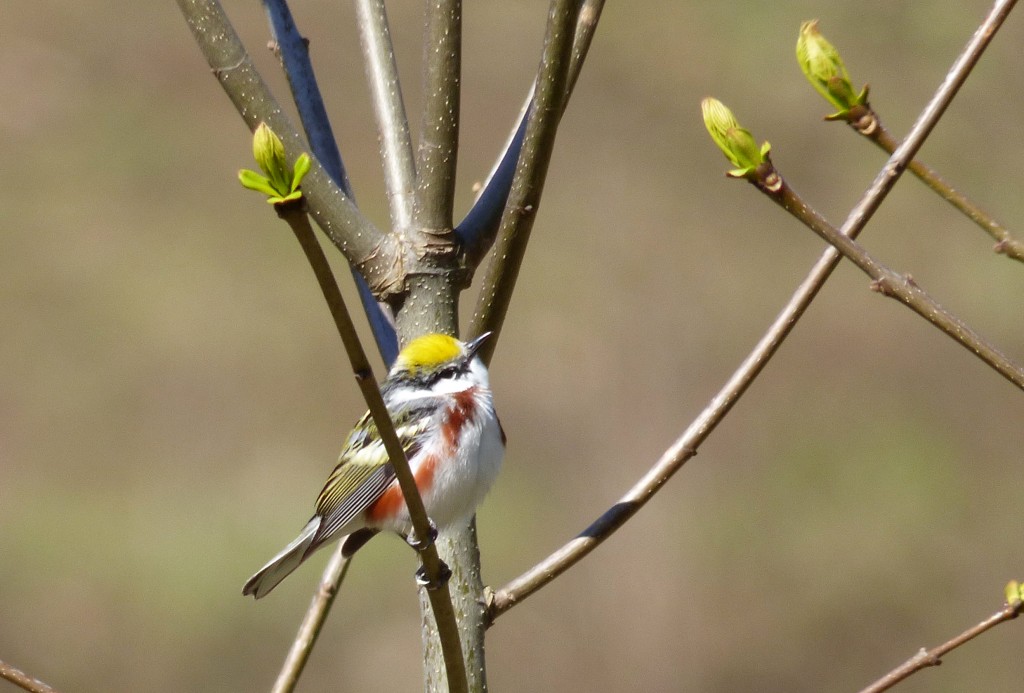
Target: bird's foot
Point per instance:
(423, 580)
(420, 546)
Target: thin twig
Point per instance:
(389, 109)
(476, 232)
(23, 680)
(1005, 242)
(531, 171)
(440, 598)
(438, 150)
(931, 114)
(366, 247)
(891, 284)
(687, 444)
(933, 657)
(309, 630)
(294, 52)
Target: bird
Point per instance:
(439, 397)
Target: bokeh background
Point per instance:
(172, 393)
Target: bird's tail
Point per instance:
(281, 565)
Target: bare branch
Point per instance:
(531, 171)
(931, 114)
(933, 657)
(824, 68)
(889, 283)
(309, 630)
(294, 52)
(438, 151)
(1005, 242)
(23, 680)
(365, 246)
(686, 445)
(392, 123)
(477, 230)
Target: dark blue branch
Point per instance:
(301, 78)
(477, 230)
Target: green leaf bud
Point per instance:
(280, 183)
(822, 65)
(738, 145)
(1014, 593)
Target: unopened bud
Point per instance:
(824, 69)
(738, 145)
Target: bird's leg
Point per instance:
(422, 579)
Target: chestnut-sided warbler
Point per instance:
(439, 397)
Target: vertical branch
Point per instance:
(476, 232)
(531, 171)
(294, 52)
(439, 139)
(389, 109)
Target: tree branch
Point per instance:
(531, 171)
(687, 444)
(825, 70)
(933, 657)
(1005, 242)
(309, 629)
(476, 232)
(438, 151)
(374, 253)
(389, 109)
(889, 283)
(294, 53)
(21, 679)
(931, 114)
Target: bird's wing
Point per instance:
(364, 471)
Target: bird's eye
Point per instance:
(449, 372)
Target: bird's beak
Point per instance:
(474, 345)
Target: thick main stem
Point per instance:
(432, 306)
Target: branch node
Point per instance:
(927, 659)
(883, 286)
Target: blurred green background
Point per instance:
(172, 392)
